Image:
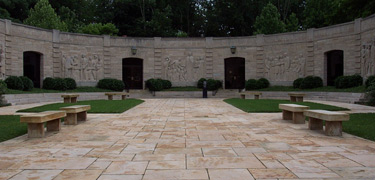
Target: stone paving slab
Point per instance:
(187, 139)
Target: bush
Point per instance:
(60, 84)
(348, 81)
(200, 83)
(70, 83)
(213, 85)
(311, 82)
(263, 83)
(49, 83)
(297, 83)
(14, 82)
(28, 85)
(154, 84)
(3, 87)
(111, 84)
(166, 84)
(369, 81)
(370, 95)
(251, 84)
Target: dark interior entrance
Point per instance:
(132, 73)
(31, 67)
(234, 73)
(335, 66)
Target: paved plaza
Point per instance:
(187, 139)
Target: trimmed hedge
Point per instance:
(343, 82)
(370, 80)
(60, 84)
(49, 83)
(263, 83)
(3, 87)
(154, 84)
(28, 84)
(200, 83)
(14, 82)
(70, 83)
(213, 85)
(370, 95)
(311, 82)
(253, 84)
(111, 84)
(297, 83)
(166, 84)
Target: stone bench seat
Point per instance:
(111, 94)
(333, 121)
(35, 122)
(256, 94)
(75, 114)
(70, 98)
(296, 97)
(293, 112)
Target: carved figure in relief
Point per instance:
(368, 58)
(284, 68)
(84, 65)
(85, 68)
(198, 63)
(69, 66)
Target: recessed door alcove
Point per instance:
(132, 73)
(334, 65)
(32, 67)
(234, 73)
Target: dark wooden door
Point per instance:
(234, 73)
(335, 66)
(31, 67)
(132, 73)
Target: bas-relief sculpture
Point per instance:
(368, 58)
(83, 68)
(284, 68)
(183, 69)
(2, 62)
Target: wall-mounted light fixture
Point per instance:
(233, 49)
(134, 50)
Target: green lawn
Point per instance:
(362, 125)
(272, 105)
(359, 89)
(10, 127)
(37, 90)
(97, 106)
(188, 88)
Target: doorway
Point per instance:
(335, 66)
(234, 73)
(132, 73)
(31, 67)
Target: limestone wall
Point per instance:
(281, 58)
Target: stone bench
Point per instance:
(293, 112)
(75, 114)
(296, 97)
(122, 94)
(35, 122)
(333, 121)
(256, 94)
(70, 98)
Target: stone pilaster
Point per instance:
(357, 44)
(309, 66)
(209, 58)
(107, 56)
(259, 56)
(8, 48)
(158, 63)
(57, 55)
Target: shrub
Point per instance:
(49, 83)
(369, 81)
(60, 84)
(297, 83)
(200, 83)
(263, 83)
(111, 84)
(154, 85)
(213, 85)
(311, 82)
(348, 81)
(251, 84)
(166, 84)
(3, 87)
(14, 82)
(70, 83)
(370, 95)
(28, 85)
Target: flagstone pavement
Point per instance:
(187, 139)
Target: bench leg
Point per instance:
(74, 100)
(123, 97)
(54, 125)
(71, 119)
(287, 115)
(242, 96)
(299, 99)
(298, 118)
(293, 98)
(66, 100)
(35, 130)
(82, 116)
(110, 97)
(333, 128)
(315, 124)
(256, 96)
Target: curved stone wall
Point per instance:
(281, 58)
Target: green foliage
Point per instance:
(154, 84)
(44, 16)
(28, 85)
(263, 83)
(362, 125)
(49, 83)
(213, 85)
(269, 22)
(3, 88)
(166, 84)
(370, 80)
(60, 84)
(70, 83)
(181, 34)
(200, 83)
(292, 23)
(99, 29)
(111, 84)
(251, 84)
(10, 127)
(343, 82)
(311, 82)
(370, 95)
(14, 82)
(297, 83)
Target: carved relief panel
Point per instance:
(83, 67)
(183, 69)
(283, 67)
(368, 58)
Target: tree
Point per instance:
(99, 29)
(16, 10)
(44, 16)
(292, 23)
(269, 22)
